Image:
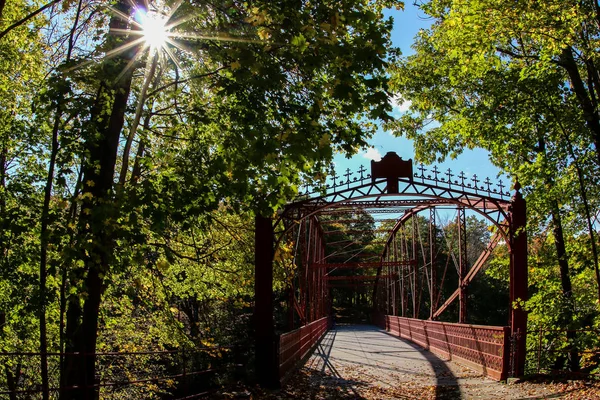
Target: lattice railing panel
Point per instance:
(294, 345)
(484, 348)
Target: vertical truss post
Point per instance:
(320, 276)
(403, 282)
(386, 282)
(291, 293)
(313, 274)
(266, 353)
(518, 277)
(395, 280)
(462, 264)
(324, 306)
(432, 264)
(311, 285)
(302, 273)
(415, 268)
(308, 272)
(390, 281)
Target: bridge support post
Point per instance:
(461, 221)
(518, 279)
(266, 353)
(432, 265)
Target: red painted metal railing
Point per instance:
(483, 348)
(295, 345)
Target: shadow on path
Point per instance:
(447, 386)
(348, 347)
(329, 377)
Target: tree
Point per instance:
(227, 119)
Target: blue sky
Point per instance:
(406, 25)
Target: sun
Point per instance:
(154, 30)
(153, 33)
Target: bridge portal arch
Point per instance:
(395, 187)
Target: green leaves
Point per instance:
(300, 43)
(509, 78)
(224, 126)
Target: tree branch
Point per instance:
(176, 82)
(28, 17)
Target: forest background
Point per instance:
(131, 169)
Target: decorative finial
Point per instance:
(517, 185)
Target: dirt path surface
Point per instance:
(364, 362)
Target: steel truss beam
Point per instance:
(356, 277)
(493, 207)
(355, 284)
(353, 265)
(352, 231)
(483, 257)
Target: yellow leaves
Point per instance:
(264, 33)
(90, 183)
(87, 195)
(283, 252)
(235, 65)
(163, 265)
(278, 257)
(325, 141)
(258, 17)
(63, 204)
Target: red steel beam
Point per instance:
(351, 221)
(483, 257)
(373, 264)
(349, 231)
(357, 277)
(354, 285)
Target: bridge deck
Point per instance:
(362, 361)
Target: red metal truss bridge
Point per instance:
(338, 241)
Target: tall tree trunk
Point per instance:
(12, 380)
(64, 272)
(44, 241)
(3, 167)
(586, 103)
(565, 281)
(563, 265)
(45, 221)
(96, 222)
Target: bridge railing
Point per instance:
(295, 345)
(483, 348)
